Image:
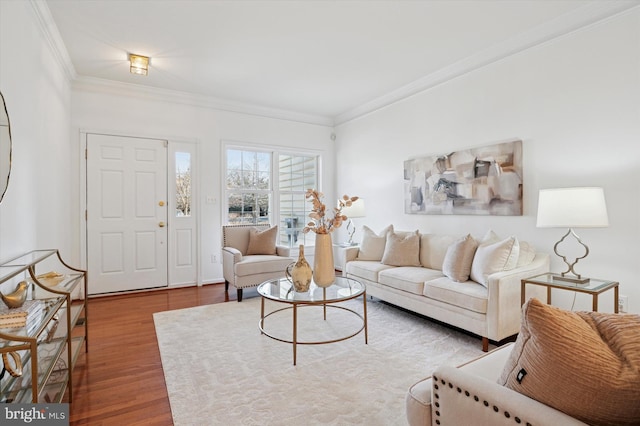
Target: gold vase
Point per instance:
(299, 273)
(324, 273)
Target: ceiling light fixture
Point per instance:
(139, 64)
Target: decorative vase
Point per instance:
(300, 274)
(324, 273)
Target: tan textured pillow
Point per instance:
(372, 246)
(457, 261)
(586, 364)
(263, 242)
(494, 257)
(402, 250)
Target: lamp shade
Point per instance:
(582, 207)
(355, 210)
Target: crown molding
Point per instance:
(565, 24)
(53, 37)
(98, 85)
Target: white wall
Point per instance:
(35, 212)
(575, 102)
(94, 110)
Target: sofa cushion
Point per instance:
(467, 295)
(402, 249)
(367, 269)
(457, 261)
(262, 241)
(372, 245)
(261, 264)
(433, 249)
(586, 364)
(408, 278)
(494, 257)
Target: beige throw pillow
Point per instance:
(526, 255)
(262, 242)
(494, 257)
(459, 257)
(402, 250)
(372, 246)
(586, 364)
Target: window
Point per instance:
(296, 174)
(269, 187)
(183, 184)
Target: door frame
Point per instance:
(173, 145)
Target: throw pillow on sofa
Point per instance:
(263, 242)
(402, 249)
(494, 257)
(459, 257)
(526, 255)
(372, 246)
(586, 364)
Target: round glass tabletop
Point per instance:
(281, 290)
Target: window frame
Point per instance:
(274, 190)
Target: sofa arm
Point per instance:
(283, 251)
(460, 398)
(350, 253)
(503, 310)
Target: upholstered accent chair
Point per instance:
(250, 256)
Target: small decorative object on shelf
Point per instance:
(17, 297)
(14, 370)
(323, 268)
(299, 273)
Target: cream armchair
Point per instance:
(242, 269)
(470, 395)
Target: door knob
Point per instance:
(161, 224)
(161, 203)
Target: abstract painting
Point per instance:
(475, 181)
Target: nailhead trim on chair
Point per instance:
(467, 394)
(250, 225)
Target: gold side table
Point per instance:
(281, 291)
(593, 287)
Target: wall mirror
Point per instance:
(5, 148)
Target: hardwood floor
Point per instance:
(120, 380)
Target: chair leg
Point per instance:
(226, 286)
(239, 292)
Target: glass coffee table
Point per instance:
(281, 291)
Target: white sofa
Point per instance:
(491, 311)
(470, 395)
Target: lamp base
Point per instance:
(571, 279)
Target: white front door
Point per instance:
(126, 213)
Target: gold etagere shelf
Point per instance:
(47, 348)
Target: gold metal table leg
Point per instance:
(364, 306)
(262, 315)
(295, 332)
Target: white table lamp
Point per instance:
(582, 207)
(355, 210)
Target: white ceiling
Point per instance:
(330, 59)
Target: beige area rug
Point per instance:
(220, 370)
